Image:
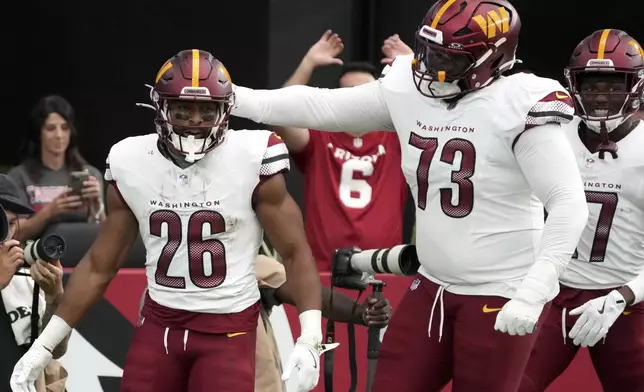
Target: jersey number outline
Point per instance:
(197, 247)
(348, 184)
(461, 177)
(608, 202)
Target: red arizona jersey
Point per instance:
(354, 192)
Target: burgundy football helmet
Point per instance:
(188, 76)
(464, 45)
(616, 56)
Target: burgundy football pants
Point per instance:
(189, 361)
(618, 360)
(470, 352)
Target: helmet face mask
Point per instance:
(193, 99)
(604, 96)
(606, 78)
(437, 69)
(462, 47)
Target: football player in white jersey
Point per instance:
(479, 152)
(601, 302)
(200, 196)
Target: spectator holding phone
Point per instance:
(54, 178)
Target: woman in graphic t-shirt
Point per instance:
(45, 174)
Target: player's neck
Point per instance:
(177, 159)
(592, 139)
(51, 160)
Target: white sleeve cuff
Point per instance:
(637, 287)
(540, 285)
(54, 333)
(311, 324)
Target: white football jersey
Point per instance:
(611, 250)
(198, 224)
(478, 222)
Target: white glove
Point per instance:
(29, 368)
(521, 314)
(597, 316)
(32, 364)
(518, 317)
(306, 359)
(306, 353)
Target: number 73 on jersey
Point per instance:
(461, 177)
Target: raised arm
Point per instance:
(323, 52)
(352, 109)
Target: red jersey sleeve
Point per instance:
(276, 159)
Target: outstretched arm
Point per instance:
(93, 274)
(352, 109)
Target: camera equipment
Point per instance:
(4, 226)
(49, 248)
(354, 269)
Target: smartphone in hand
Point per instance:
(78, 177)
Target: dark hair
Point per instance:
(32, 155)
(359, 66)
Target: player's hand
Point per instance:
(597, 316)
(305, 358)
(326, 50)
(29, 368)
(49, 277)
(11, 258)
(518, 317)
(374, 312)
(392, 47)
(64, 203)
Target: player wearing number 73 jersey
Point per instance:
(479, 152)
(600, 303)
(200, 196)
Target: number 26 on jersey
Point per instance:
(196, 248)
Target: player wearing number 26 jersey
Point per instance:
(600, 303)
(200, 196)
(483, 154)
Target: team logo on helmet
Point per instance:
(495, 21)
